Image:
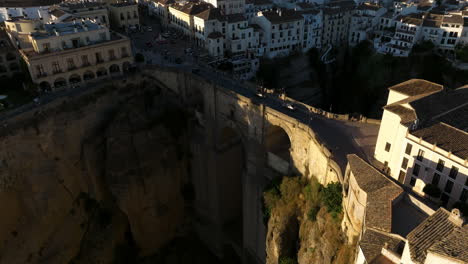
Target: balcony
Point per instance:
(41, 75)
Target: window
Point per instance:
(102, 36)
(412, 181)
(420, 155)
(124, 51)
(464, 195)
(40, 70)
(84, 60)
(55, 67)
(404, 163)
(436, 179)
(46, 47)
(440, 165)
(408, 149)
(444, 199)
(111, 54)
(453, 172)
(99, 57)
(401, 176)
(70, 63)
(416, 169)
(387, 146)
(448, 186)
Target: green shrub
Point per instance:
(332, 198)
(432, 190)
(312, 213)
(312, 191)
(287, 260)
(290, 188)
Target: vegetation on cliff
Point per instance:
(304, 222)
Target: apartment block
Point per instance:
(423, 139)
(67, 54)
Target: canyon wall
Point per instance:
(83, 176)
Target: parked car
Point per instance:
(149, 29)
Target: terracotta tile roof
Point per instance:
(412, 19)
(431, 232)
(192, 8)
(445, 137)
(380, 193)
(416, 87)
(454, 245)
(211, 14)
(454, 19)
(406, 114)
(234, 18)
(372, 243)
(369, 6)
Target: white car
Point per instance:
(290, 106)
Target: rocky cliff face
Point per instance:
(300, 227)
(85, 176)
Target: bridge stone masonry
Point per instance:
(239, 145)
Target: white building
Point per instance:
(336, 21)
(408, 31)
(364, 21)
(229, 6)
(67, 54)
(252, 7)
(423, 139)
(31, 9)
(313, 26)
(282, 31)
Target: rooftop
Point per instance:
(445, 137)
(453, 19)
(192, 8)
(380, 193)
(433, 234)
(27, 3)
(372, 243)
(234, 18)
(416, 87)
(65, 28)
(282, 16)
(259, 2)
(82, 5)
(123, 4)
(211, 14)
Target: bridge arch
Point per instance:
(278, 146)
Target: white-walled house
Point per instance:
(313, 26)
(282, 31)
(423, 138)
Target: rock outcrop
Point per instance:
(78, 175)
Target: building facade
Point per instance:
(68, 54)
(124, 15)
(423, 139)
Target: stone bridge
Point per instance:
(239, 145)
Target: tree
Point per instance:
(332, 198)
(139, 57)
(432, 190)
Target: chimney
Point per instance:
(456, 217)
